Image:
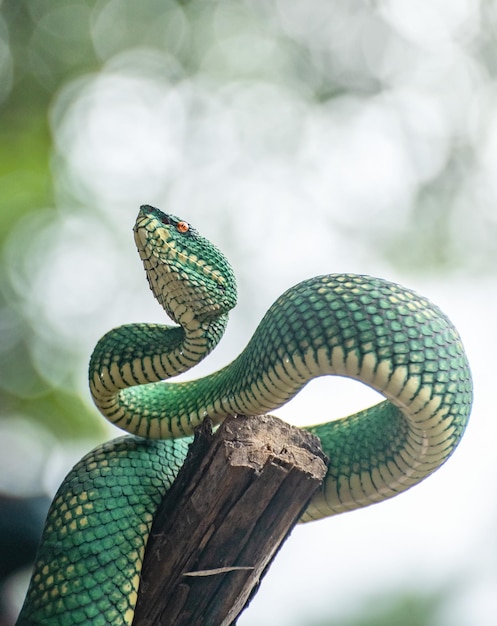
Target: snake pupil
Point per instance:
(182, 227)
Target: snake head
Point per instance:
(188, 275)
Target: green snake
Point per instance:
(88, 566)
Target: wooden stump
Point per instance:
(233, 504)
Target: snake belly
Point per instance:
(88, 566)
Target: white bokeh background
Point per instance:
(290, 185)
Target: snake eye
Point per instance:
(182, 227)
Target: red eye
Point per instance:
(182, 227)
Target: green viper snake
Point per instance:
(88, 566)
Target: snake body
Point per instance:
(88, 565)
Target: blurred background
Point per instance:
(303, 137)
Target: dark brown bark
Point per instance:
(233, 504)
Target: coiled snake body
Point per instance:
(88, 566)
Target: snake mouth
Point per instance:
(152, 214)
(147, 210)
(150, 237)
(154, 231)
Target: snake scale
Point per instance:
(87, 569)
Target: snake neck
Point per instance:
(129, 358)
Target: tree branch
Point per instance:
(231, 507)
